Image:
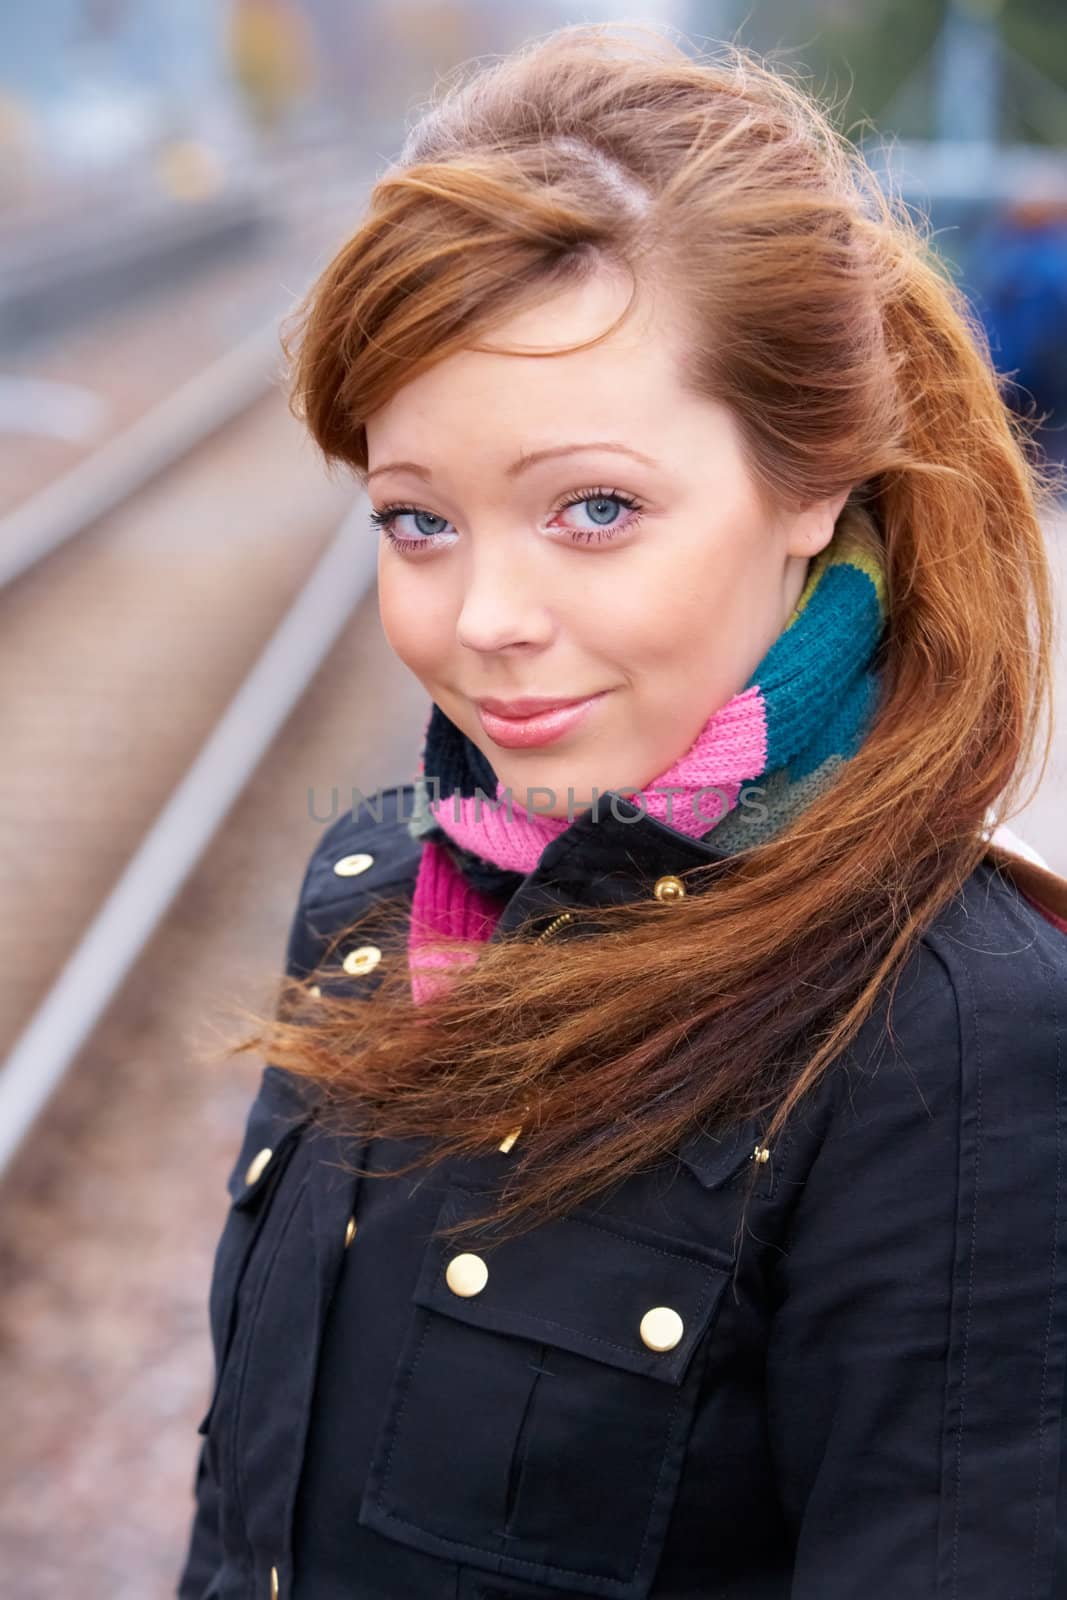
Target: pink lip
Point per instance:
(543, 722)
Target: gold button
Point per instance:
(350, 1231)
(466, 1274)
(257, 1165)
(661, 1328)
(761, 1153)
(352, 866)
(316, 991)
(273, 1583)
(509, 1139)
(365, 959)
(669, 888)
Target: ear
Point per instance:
(813, 528)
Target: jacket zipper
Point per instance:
(546, 933)
(554, 925)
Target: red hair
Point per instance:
(818, 313)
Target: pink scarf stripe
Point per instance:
(444, 904)
(730, 748)
(513, 841)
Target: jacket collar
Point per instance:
(616, 854)
(621, 854)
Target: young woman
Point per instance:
(659, 1184)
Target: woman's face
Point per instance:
(578, 527)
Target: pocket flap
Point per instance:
(583, 1283)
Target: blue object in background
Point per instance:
(1018, 275)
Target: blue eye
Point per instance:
(424, 517)
(427, 530)
(605, 509)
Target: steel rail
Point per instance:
(66, 1018)
(124, 464)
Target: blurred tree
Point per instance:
(859, 59)
(879, 63)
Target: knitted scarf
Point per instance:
(805, 710)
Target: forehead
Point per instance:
(511, 382)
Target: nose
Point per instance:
(503, 604)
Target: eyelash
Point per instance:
(382, 520)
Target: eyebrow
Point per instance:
(527, 459)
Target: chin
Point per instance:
(518, 782)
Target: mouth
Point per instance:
(534, 720)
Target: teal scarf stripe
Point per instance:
(827, 647)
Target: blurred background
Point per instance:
(194, 678)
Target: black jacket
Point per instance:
(867, 1404)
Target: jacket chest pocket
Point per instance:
(540, 1409)
(273, 1127)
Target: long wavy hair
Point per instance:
(821, 316)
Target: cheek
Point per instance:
(649, 629)
(717, 600)
(392, 611)
(689, 637)
(413, 621)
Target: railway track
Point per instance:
(181, 674)
(131, 614)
